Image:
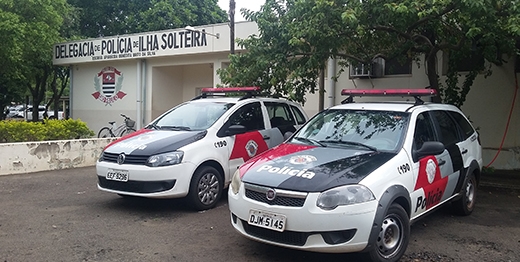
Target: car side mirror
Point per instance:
(287, 135)
(428, 148)
(235, 130)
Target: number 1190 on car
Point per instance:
(267, 220)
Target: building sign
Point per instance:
(131, 46)
(108, 84)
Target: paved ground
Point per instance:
(505, 179)
(61, 216)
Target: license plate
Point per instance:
(117, 175)
(267, 220)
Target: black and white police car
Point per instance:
(193, 149)
(355, 177)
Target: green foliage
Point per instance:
(99, 18)
(27, 36)
(21, 131)
(298, 36)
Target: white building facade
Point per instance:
(143, 75)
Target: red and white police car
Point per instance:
(193, 149)
(355, 177)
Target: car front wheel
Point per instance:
(393, 236)
(205, 188)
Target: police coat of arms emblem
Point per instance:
(108, 83)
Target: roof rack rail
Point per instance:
(416, 93)
(250, 91)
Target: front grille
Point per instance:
(137, 186)
(278, 201)
(283, 197)
(286, 237)
(129, 159)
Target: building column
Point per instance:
(216, 79)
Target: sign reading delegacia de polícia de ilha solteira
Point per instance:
(132, 46)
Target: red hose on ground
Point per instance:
(508, 121)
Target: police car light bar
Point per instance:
(388, 92)
(230, 89)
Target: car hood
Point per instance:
(311, 169)
(149, 142)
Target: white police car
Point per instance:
(356, 175)
(193, 149)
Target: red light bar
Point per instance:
(230, 89)
(388, 92)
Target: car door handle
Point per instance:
(464, 151)
(266, 137)
(442, 162)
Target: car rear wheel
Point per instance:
(393, 236)
(465, 205)
(205, 188)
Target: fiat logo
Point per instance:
(121, 159)
(270, 194)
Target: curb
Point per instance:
(505, 179)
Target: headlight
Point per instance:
(342, 196)
(100, 159)
(235, 182)
(166, 159)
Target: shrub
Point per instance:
(21, 131)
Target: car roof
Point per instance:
(396, 106)
(236, 100)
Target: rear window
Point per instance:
(466, 127)
(448, 128)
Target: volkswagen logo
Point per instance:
(121, 159)
(270, 194)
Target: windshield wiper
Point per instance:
(350, 143)
(183, 128)
(153, 126)
(312, 141)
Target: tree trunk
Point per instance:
(433, 77)
(38, 92)
(321, 90)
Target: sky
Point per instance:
(253, 5)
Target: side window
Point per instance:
(300, 117)
(423, 130)
(279, 114)
(466, 127)
(448, 128)
(249, 116)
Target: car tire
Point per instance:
(393, 236)
(464, 206)
(205, 188)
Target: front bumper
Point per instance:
(143, 181)
(342, 230)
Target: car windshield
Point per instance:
(192, 116)
(361, 129)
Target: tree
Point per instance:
(33, 27)
(10, 55)
(298, 36)
(99, 18)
